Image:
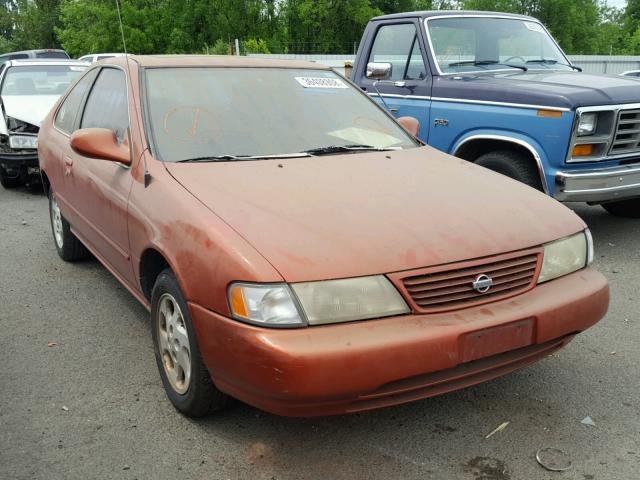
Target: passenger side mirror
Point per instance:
(410, 124)
(379, 71)
(101, 144)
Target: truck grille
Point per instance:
(627, 136)
(451, 286)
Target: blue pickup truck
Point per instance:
(497, 90)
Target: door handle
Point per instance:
(393, 110)
(68, 163)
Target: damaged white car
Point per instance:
(28, 90)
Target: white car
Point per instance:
(28, 90)
(96, 57)
(631, 73)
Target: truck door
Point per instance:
(409, 89)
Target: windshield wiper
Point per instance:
(226, 158)
(346, 148)
(482, 63)
(548, 61)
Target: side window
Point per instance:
(66, 117)
(399, 46)
(107, 103)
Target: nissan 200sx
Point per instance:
(296, 247)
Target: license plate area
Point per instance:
(495, 340)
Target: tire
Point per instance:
(184, 376)
(9, 182)
(67, 244)
(514, 165)
(624, 208)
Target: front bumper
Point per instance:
(343, 368)
(13, 163)
(598, 186)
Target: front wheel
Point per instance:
(9, 182)
(514, 165)
(184, 376)
(624, 208)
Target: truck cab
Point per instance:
(497, 90)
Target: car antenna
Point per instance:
(147, 175)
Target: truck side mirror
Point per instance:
(379, 71)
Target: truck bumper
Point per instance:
(350, 367)
(598, 186)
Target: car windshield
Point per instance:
(473, 44)
(39, 79)
(228, 113)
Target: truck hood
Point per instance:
(362, 214)
(566, 89)
(29, 108)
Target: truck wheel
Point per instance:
(184, 376)
(8, 182)
(512, 164)
(624, 208)
(67, 244)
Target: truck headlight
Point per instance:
(315, 303)
(587, 124)
(566, 256)
(23, 141)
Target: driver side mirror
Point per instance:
(101, 144)
(410, 124)
(379, 71)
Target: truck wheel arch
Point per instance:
(474, 146)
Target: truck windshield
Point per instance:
(200, 113)
(39, 79)
(475, 44)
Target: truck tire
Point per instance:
(514, 165)
(8, 182)
(624, 208)
(185, 378)
(68, 246)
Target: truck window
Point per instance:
(399, 46)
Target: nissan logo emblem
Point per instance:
(482, 283)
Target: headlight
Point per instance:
(351, 299)
(566, 256)
(23, 141)
(587, 124)
(270, 305)
(315, 303)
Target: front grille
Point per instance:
(451, 286)
(627, 136)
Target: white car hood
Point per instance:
(29, 108)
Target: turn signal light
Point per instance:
(582, 150)
(549, 113)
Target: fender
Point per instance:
(511, 137)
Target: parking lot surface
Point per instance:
(81, 398)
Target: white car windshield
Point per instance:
(473, 44)
(201, 113)
(39, 79)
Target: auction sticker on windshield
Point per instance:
(321, 82)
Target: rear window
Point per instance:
(52, 55)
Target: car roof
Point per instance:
(453, 13)
(24, 62)
(37, 50)
(213, 61)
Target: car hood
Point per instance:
(29, 108)
(566, 89)
(362, 214)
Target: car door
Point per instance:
(100, 188)
(408, 91)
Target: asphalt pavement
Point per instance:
(81, 398)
